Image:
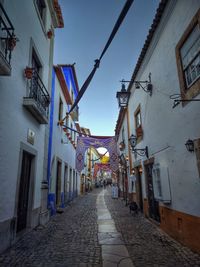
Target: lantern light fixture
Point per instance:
(190, 145)
(123, 96)
(138, 151)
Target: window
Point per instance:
(190, 56)
(138, 119)
(41, 9)
(188, 60)
(35, 89)
(138, 123)
(161, 184)
(35, 63)
(157, 183)
(60, 112)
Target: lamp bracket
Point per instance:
(141, 151)
(147, 87)
(177, 99)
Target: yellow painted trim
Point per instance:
(129, 151)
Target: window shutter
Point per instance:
(197, 152)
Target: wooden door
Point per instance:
(23, 199)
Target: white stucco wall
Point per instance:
(166, 130)
(66, 152)
(15, 119)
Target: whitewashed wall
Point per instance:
(166, 130)
(65, 152)
(15, 120)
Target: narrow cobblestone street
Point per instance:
(71, 239)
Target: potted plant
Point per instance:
(139, 131)
(11, 42)
(49, 34)
(28, 72)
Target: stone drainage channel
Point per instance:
(114, 252)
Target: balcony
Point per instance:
(7, 42)
(37, 101)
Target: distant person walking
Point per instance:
(115, 191)
(104, 184)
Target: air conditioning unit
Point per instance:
(161, 185)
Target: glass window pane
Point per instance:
(138, 119)
(191, 47)
(192, 38)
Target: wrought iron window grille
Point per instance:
(7, 35)
(39, 93)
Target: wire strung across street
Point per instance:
(97, 61)
(87, 135)
(71, 129)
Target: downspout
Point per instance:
(50, 137)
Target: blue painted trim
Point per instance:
(52, 203)
(50, 130)
(62, 200)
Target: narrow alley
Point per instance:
(96, 230)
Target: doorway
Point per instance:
(58, 184)
(24, 189)
(74, 183)
(139, 194)
(66, 184)
(70, 184)
(153, 204)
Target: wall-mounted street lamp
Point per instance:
(123, 97)
(190, 145)
(139, 151)
(145, 85)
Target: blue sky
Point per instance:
(88, 24)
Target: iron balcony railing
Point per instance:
(39, 93)
(7, 36)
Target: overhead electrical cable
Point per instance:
(81, 133)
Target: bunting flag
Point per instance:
(83, 143)
(100, 166)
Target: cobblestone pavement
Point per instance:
(69, 239)
(146, 244)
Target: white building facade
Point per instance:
(27, 33)
(63, 178)
(168, 180)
